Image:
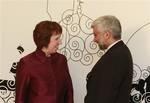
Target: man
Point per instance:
(110, 79)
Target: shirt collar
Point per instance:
(112, 45)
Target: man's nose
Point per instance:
(94, 39)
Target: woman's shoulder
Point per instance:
(58, 55)
(27, 58)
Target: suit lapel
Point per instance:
(105, 56)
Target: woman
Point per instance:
(43, 76)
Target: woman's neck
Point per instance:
(47, 54)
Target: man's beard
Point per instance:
(102, 47)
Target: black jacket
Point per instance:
(110, 79)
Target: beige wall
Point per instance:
(18, 19)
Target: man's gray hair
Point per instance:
(109, 23)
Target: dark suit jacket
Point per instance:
(110, 79)
(41, 79)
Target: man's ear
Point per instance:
(108, 35)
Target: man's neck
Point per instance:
(112, 44)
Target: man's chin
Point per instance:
(101, 47)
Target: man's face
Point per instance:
(99, 37)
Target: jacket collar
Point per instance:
(41, 55)
(112, 45)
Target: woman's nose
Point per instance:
(60, 42)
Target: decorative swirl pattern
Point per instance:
(67, 17)
(2, 100)
(79, 39)
(136, 73)
(11, 85)
(85, 24)
(73, 29)
(76, 55)
(90, 46)
(137, 98)
(11, 100)
(145, 74)
(5, 93)
(7, 96)
(76, 43)
(148, 68)
(147, 97)
(100, 53)
(87, 59)
(141, 76)
(7, 85)
(1, 81)
(7, 88)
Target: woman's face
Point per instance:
(53, 44)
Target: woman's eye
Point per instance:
(57, 38)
